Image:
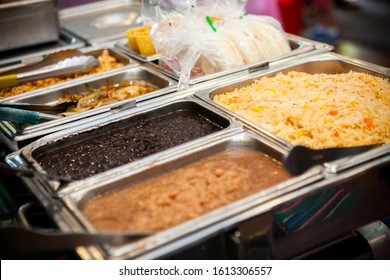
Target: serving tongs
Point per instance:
(32, 113)
(301, 158)
(17, 242)
(19, 172)
(69, 65)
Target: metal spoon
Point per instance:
(16, 242)
(300, 158)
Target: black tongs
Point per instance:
(17, 242)
(300, 158)
(19, 172)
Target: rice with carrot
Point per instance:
(317, 110)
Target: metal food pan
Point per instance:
(96, 128)
(17, 58)
(93, 51)
(103, 21)
(21, 133)
(300, 47)
(28, 23)
(326, 63)
(282, 222)
(240, 141)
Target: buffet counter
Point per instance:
(285, 157)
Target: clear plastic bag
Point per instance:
(204, 37)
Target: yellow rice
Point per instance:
(317, 110)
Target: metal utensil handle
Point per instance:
(5, 169)
(18, 242)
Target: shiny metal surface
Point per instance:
(103, 21)
(23, 156)
(88, 51)
(28, 23)
(23, 133)
(327, 211)
(378, 236)
(22, 57)
(224, 215)
(327, 63)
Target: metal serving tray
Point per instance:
(102, 21)
(281, 222)
(24, 156)
(300, 47)
(26, 56)
(93, 51)
(328, 63)
(178, 236)
(18, 135)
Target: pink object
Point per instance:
(264, 7)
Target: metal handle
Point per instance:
(24, 116)
(19, 115)
(8, 80)
(18, 241)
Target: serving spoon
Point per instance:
(301, 158)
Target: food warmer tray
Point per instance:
(324, 203)
(327, 63)
(300, 47)
(281, 222)
(18, 135)
(93, 51)
(65, 210)
(26, 56)
(24, 156)
(102, 21)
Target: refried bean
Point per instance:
(182, 194)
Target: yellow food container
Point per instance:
(140, 41)
(144, 43)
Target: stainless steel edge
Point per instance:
(89, 21)
(206, 221)
(348, 64)
(344, 164)
(88, 51)
(23, 156)
(133, 73)
(66, 41)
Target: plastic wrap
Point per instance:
(205, 37)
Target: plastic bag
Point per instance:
(204, 37)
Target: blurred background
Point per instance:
(362, 24)
(363, 27)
